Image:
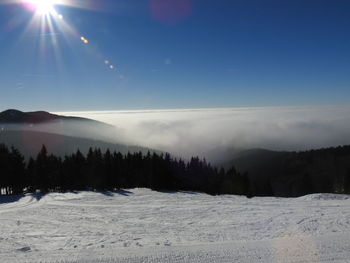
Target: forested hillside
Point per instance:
(111, 170)
(295, 174)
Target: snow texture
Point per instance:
(141, 225)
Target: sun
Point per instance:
(42, 7)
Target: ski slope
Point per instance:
(140, 225)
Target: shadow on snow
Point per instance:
(5, 199)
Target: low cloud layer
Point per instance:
(214, 133)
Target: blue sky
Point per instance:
(177, 54)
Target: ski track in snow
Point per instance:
(141, 225)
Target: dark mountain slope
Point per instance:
(295, 173)
(28, 131)
(30, 142)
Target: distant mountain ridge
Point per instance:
(28, 131)
(13, 116)
(42, 121)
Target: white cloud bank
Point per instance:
(213, 132)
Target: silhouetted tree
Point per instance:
(325, 170)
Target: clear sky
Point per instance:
(174, 54)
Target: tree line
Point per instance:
(289, 174)
(108, 171)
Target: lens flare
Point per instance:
(84, 40)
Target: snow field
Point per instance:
(141, 225)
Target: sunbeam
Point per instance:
(46, 20)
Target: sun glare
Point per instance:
(42, 7)
(48, 20)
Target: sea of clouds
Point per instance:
(215, 133)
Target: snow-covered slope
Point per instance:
(140, 225)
